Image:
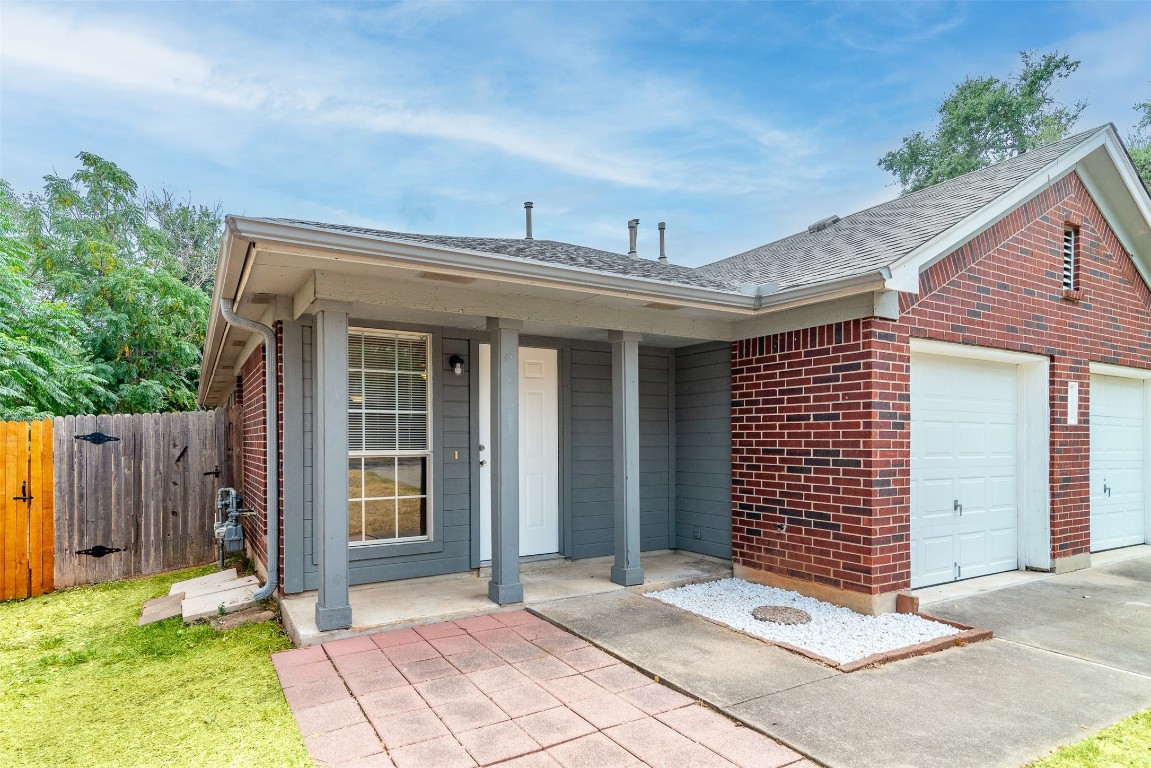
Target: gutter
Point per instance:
(271, 429)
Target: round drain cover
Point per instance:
(781, 614)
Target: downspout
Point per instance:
(272, 495)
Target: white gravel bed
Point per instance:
(835, 633)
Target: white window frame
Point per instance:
(383, 454)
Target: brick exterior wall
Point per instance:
(821, 417)
(251, 402)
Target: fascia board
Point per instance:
(1139, 198)
(490, 265)
(907, 268)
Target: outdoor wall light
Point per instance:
(457, 365)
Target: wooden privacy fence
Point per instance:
(26, 508)
(141, 484)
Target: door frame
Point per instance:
(563, 370)
(1033, 443)
(1144, 375)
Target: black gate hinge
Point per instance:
(97, 438)
(99, 551)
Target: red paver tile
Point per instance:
(298, 656)
(442, 629)
(364, 661)
(655, 698)
(329, 717)
(618, 677)
(647, 737)
(429, 669)
(606, 710)
(448, 690)
(559, 643)
(409, 728)
(572, 688)
(344, 744)
(534, 760)
(524, 699)
(697, 722)
(313, 694)
(500, 634)
(516, 618)
(378, 760)
(498, 678)
(469, 714)
(444, 752)
(475, 660)
(395, 637)
(694, 755)
(409, 652)
(373, 680)
(307, 673)
(461, 643)
(349, 645)
(594, 751)
(544, 668)
(749, 749)
(477, 623)
(586, 659)
(493, 743)
(553, 726)
(392, 702)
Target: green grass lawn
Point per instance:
(1126, 744)
(82, 685)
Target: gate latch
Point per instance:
(23, 493)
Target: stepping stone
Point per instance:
(160, 608)
(226, 586)
(254, 615)
(206, 606)
(211, 578)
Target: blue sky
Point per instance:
(736, 123)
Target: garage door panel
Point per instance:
(964, 448)
(1119, 465)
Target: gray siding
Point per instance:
(590, 441)
(703, 449)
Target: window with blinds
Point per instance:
(389, 442)
(1070, 244)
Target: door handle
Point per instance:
(957, 507)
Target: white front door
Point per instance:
(1119, 424)
(964, 497)
(539, 452)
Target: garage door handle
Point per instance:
(1107, 490)
(958, 508)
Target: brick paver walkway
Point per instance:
(507, 689)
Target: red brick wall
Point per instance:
(797, 419)
(251, 401)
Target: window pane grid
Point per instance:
(389, 442)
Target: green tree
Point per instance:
(986, 120)
(44, 368)
(132, 267)
(1139, 143)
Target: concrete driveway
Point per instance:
(1070, 657)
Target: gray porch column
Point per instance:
(625, 455)
(330, 482)
(505, 586)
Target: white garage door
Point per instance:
(1118, 462)
(964, 492)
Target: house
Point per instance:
(951, 384)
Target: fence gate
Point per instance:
(26, 520)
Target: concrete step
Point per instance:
(228, 601)
(196, 583)
(160, 608)
(225, 586)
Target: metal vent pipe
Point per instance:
(662, 252)
(632, 226)
(528, 215)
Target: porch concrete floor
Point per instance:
(411, 602)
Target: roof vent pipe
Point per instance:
(272, 494)
(528, 214)
(662, 252)
(632, 226)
